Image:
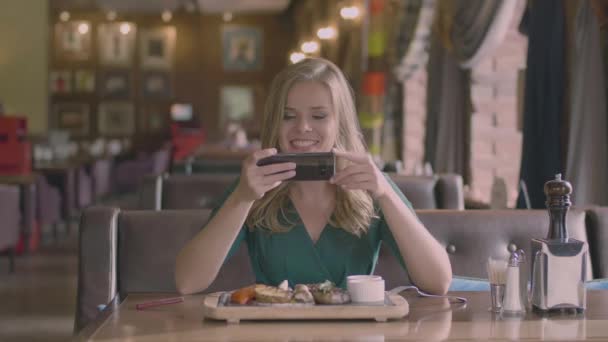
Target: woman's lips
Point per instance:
(303, 144)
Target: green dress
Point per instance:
(294, 256)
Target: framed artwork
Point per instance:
(60, 82)
(156, 85)
(242, 48)
(73, 40)
(157, 47)
(115, 84)
(153, 118)
(84, 81)
(116, 119)
(116, 43)
(237, 103)
(73, 118)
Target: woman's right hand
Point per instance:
(257, 180)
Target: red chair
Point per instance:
(14, 147)
(186, 140)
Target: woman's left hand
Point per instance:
(361, 174)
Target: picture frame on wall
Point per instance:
(60, 82)
(116, 119)
(84, 81)
(115, 84)
(157, 47)
(116, 43)
(241, 48)
(73, 118)
(72, 40)
(237, 103)
(152, 118)
(156, 85)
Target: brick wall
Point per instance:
(496, 137)
(414, 121)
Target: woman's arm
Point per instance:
(199, 262)
(427, 262)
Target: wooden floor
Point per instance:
(38, 301)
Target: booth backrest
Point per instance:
(472, 236)
(207, 166)
(597, 231)
(199, 191)
(196, 191)
(134, 251)
(442, 191)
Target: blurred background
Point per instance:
(96, 95)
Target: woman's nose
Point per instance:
(303, 125)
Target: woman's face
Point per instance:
(309, 121)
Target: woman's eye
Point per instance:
(319, 116)
(288, 116)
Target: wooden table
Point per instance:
(429, 319)
(25, 179)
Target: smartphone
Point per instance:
(309, 166)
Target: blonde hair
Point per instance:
(354, 209)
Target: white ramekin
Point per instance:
(365, 288)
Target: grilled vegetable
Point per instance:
(327, 293)
(243, 296)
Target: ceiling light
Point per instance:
(310, 47)
(125, 28)
(349, 13)
(167, 16)
(227, 16)
(326, 33)
(64, 16)
(111, 15)
(295, 57)
(83, 28)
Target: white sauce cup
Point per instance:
(365, 288)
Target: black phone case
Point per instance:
(309, 166)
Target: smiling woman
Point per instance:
(313, 231)
(309, 123)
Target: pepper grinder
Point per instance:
(559, 263)
(513, 302)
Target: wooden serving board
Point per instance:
(395, 307)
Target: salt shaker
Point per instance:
(513, 300)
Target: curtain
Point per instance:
(433, 99)
(448, 113)
(467, 31)
(479, 27)
(414, 37)
(399, 30)
(453, 129)
(543, 107)
(587, 163)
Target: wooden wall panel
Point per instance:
(197, 74)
